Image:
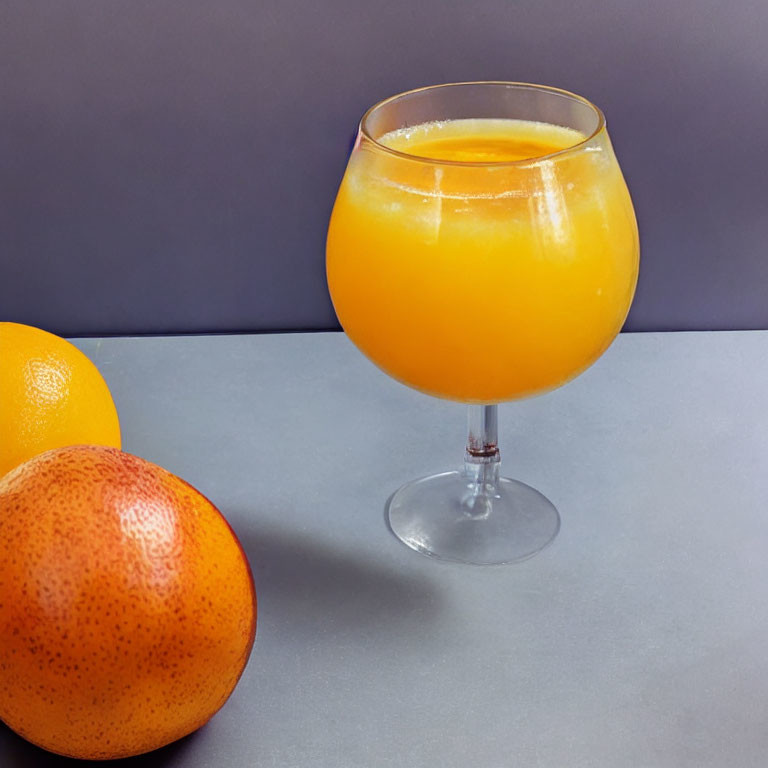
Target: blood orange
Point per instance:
(127, 607)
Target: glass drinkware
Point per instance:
(482, 248)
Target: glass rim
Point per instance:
(578, 146)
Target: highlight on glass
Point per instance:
(482, 248)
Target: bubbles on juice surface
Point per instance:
(482, 140)
(467, 160)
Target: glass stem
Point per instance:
(482, 458)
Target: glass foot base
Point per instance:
(452, 517)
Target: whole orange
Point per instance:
(51, 395)
(127, 606)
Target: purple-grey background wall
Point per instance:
(170, 166)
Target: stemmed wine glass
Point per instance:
(482, 248)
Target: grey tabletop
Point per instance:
(638, 638)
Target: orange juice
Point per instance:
(482, 260)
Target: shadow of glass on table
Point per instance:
(302, 580)
(15, 752)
